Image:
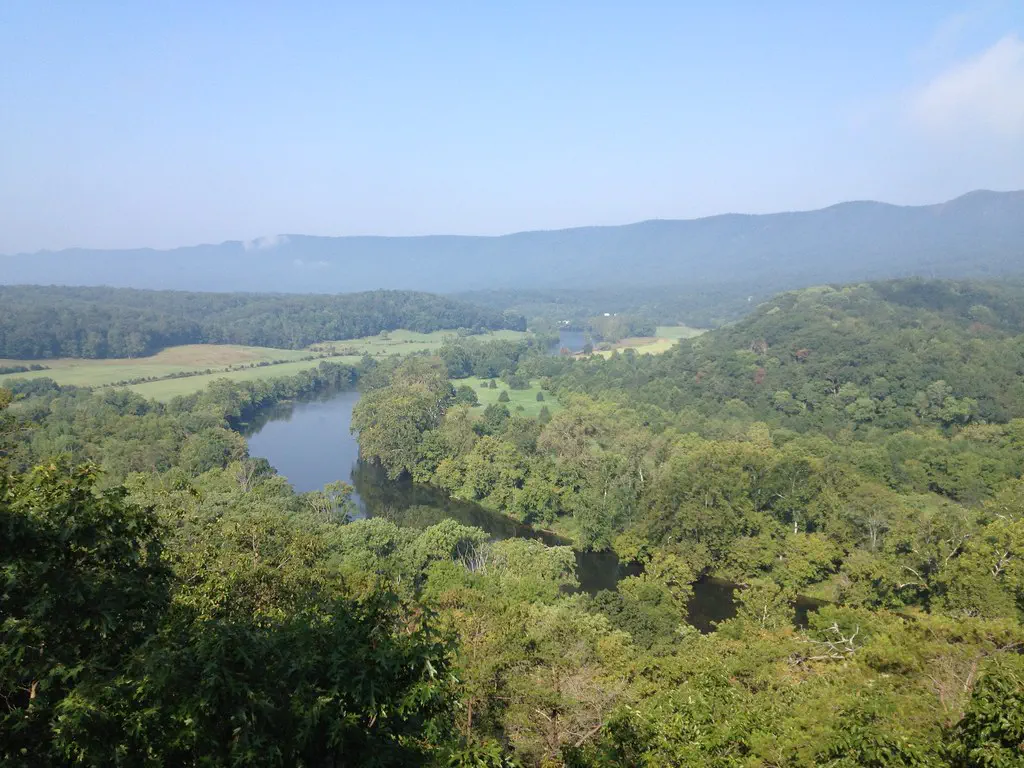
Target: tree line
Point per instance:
(41, 322)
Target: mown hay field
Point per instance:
(192, 361)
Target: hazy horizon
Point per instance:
(169, 125)
(270, 240)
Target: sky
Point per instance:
(166, 123)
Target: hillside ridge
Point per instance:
(980, 234)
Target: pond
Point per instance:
(310, 444)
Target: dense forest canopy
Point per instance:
(166, 598)
(869, 355)
(39, 322)
(887, 499)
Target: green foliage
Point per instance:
(987, 579)
(232, 645)
(465, 395)
(83, 586)
(344, 682)
(765, 605)
(851, 444)
(122, 322)
(991, 732)
(6, 425)
(886, 355)
(391, 419)
(464, 357)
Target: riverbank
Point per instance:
(308, 441)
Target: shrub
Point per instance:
(465, 395)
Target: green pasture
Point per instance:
(195, 359)
(190, 358)
(524, 397)
(168, 389)
(667, 337)
(403, 342)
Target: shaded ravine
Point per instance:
(310, 443)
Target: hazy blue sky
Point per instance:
(168, 123)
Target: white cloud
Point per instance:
(265, 243)
(945, 38)
(981, 96)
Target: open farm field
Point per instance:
(527, 398)
(193, 360)
(402, 342)
(168, 389)
(190, 358)
(668, 336)
(644, 345)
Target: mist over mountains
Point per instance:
(980, 234)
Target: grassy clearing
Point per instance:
(195, 359)
(644, 345)
(190, 358)
(524, 397)
(170, 388)
(401, 342)
(668, 336)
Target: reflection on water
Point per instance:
(570, 340)
(419, 506)
(712, 602)
(310, 443)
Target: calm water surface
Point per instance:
(571, 340)
(310, 444)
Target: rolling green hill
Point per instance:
(887, 354)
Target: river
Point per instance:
(310, 444)
(570, 340)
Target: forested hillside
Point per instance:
(39, 322)
(980, 234)
(883, 355)
(890, 486)
(215, 617)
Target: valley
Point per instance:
(512, 385)
(814, 509)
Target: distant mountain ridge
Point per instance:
(980, 234)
